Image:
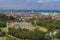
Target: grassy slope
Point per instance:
(44, 30)
(3, 38)
(40, 28)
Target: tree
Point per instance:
(58, 35)
(26, 34)
(11, 18)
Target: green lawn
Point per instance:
(55, 39)
(41, 28)
(3, 38)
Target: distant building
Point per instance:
(21, 25)
(56, 17)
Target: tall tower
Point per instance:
(32, 11)
(11, 11)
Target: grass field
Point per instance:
(40, 28)
(3, 38)
(55, 39)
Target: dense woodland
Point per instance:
(4, 19)
(26, 34)
(49, 23)
(2, 34)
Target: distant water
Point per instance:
(30, 10)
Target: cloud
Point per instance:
(41, 1)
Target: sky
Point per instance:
(30, 4)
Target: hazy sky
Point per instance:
(30, 4)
